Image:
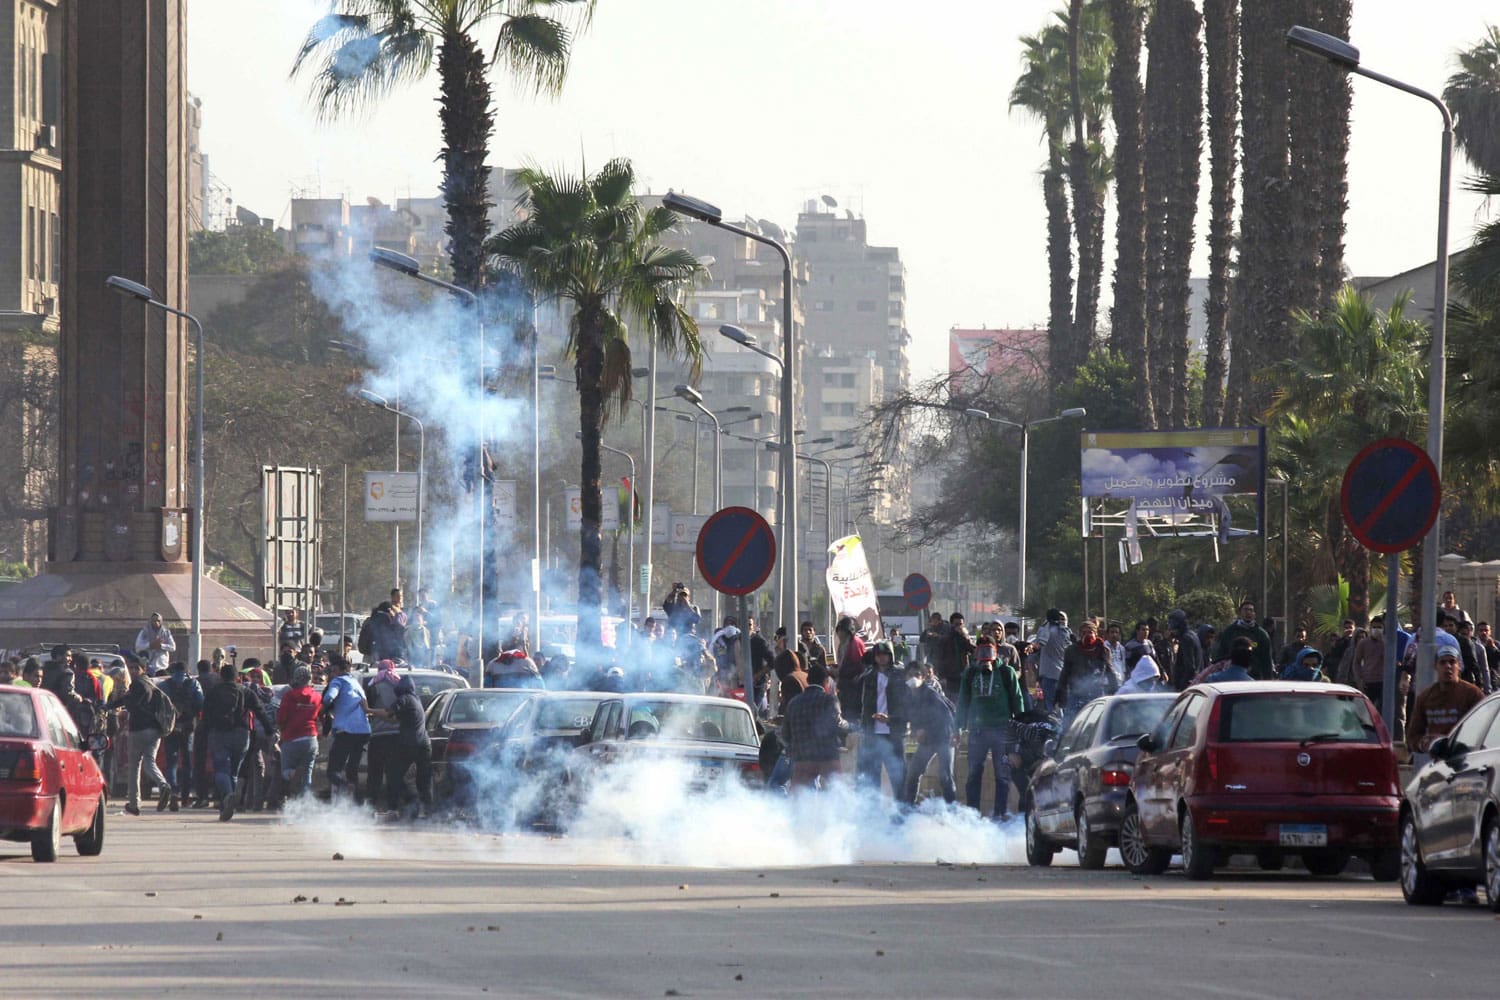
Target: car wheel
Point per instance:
(1198, 859)
(1492, 863)
(1419, 887)
(1039, 849)
(1326, 863)
(1140, 857)
(1091, 849)
(46, 842)
(90, 843)
(1270, 861)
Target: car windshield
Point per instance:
(485, 706)
(17, 717)
(429, 686)
(686, 720)
(568, 715)
(1295, 718)
(1136, 716)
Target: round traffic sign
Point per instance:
(736, 551)
(1391, 495)
(918, 591)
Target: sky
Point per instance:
(897, 111)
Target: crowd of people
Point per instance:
(247, 735)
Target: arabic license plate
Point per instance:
(1304, 835)
(708, 770)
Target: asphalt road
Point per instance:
(184, 905)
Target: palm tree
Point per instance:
(369, 47)
(1357, 374)
(1127, 322)
(1221, 35)
(1087, 42)
(1174, 136)
(1473, 94)
(587, 242)
(1040, 91)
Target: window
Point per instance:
(1473, 730)
(30, 242)
(1293, 718)
(1131, 718)
(1188, 725)
(55, 274)
(846, 380)
(865, 306)
(16, 715)
(830, 378)
(1080, 733)
(822, 306)
(846, 409)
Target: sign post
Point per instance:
(736, 552)
(918, 592)
(1390, 499)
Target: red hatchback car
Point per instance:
(1265, 768)
(50, 786)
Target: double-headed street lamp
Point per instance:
(1025, 428)
(376, 400)
(695, 208)
(138, 291)
(1346, 57)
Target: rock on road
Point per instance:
(181, 905)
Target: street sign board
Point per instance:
(391, 496)
(685, 528)
(661, 524)
(1391, 495)
(736, 551)
(918, 591)
(609, 514)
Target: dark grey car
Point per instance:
(1078, 791)
(1450, 813)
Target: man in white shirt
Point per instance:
(155, 643)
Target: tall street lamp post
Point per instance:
(380, 401)
(1346, 57)
(694, 398)
(409, 266)
(694, 208)
(138, 291)
(1025, 428)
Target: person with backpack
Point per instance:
(187, 698)
(226, 725)
(151, 714)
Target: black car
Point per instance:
(1450, 813)
(520, 777)
(461, 722)
(1078, 791)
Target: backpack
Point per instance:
(366, 643)
(163, 710)
(220, 708)
(186, 699)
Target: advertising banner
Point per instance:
(851, 588)
(391, 496)
(685, 528)
(609, 519)
(661, 524)
(1177, 472)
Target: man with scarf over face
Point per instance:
(1086, 672)
(1245, 626)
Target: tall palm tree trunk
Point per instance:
(1127, 324)
(1330, 177)
(1086, 305)
(1221, 32)
(589, 370)
(468, 122)
(1059, 264)
(1159, 165)
(1182, 25)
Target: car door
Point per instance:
(67, 748)
(1146, 783)
(1174, 765)
(1070, 758)
(1044, 781)
(1467, 779)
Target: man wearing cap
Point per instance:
(1442, 704)
(154, 641)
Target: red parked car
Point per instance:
(50, 786)
(1265, 768)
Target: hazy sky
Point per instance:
(895, 109)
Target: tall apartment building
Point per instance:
(30, 268)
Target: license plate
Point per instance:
(1304, 835)
(708, 770)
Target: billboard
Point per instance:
(391, 496)
(1176, 472)
(291, 540)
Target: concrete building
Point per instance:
(1010, 360)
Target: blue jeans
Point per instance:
(781, 772)
(1049, 690)
(942, 749)
(982, 744)
(882, 750)
(297, 759)
(227, 749)
(179, 763)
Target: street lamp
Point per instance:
(380, 401)
(1346, 57)
(694, 398)
(411, 268)
(1025, 428)
(139, 292)
(695, 208)
(629, 528)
